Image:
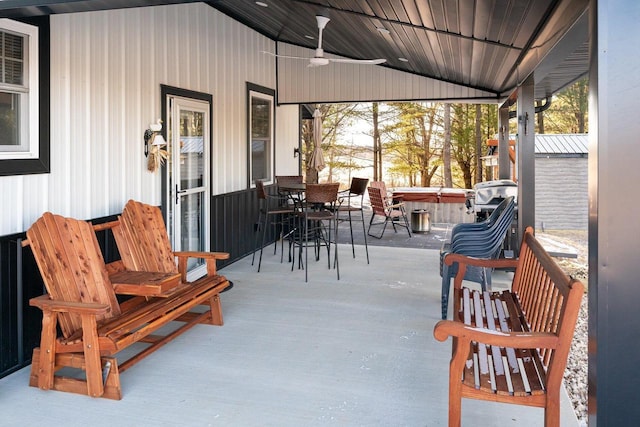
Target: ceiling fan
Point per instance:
(319, 59)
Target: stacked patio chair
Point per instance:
(479, 240)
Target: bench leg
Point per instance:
(93, 365)
(45, 365)
(455, 399)
(216, 310)
(552, 411)
(460, 353)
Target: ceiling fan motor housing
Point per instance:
(317, 61)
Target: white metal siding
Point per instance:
(106, 71)
(339, 82)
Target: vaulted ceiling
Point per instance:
(491, 45)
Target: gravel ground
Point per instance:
(575, 375)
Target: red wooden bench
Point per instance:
(81, 301)
(512, 346)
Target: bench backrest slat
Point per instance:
(71, 264)
(143, 233)
(543, 290)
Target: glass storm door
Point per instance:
(188, 201)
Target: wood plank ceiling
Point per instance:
(491, 45)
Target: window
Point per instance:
(18, 90)
(24, 123)
(261, 144)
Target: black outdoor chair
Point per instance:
(352, 201)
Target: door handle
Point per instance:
(178, 192)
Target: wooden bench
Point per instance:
(512, 346)
(81, 302)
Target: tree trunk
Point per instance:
(581, 122)
(540, 118)
(311, 175)
(478, 143)
(377, 152)
(446, 149)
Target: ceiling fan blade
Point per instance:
(319, 59)
(359, 61)
(284, 56)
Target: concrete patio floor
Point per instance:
(355, 352)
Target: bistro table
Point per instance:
(293, 187)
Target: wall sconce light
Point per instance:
(155, 152)
(296, 152)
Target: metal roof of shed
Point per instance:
(575, 143)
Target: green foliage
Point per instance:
(569, 110)
(412, 141)
(463, 139)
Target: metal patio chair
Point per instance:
(394, 213)
(274, 210)
(356, 191)
(318, 225)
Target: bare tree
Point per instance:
(377, 146)
(446, 147)
(311, 174)
(410, 141)
(478, 143)
(335, 120)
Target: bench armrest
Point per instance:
(450, 258)
(44, 302)
(209, 257)
(203, 255)
(447, 328)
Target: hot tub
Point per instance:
(445, 205)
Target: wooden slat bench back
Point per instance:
(512, 346)
(82, 277)
(143, 238)
(81, 299)
(144, 245)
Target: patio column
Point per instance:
(525, 157)
(614, 174)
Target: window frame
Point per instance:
(263, 93)
(37, 159)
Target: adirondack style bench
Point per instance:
(81, 302)
(512, 346)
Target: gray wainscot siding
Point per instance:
(561, 182)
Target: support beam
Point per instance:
(504, 165)
(525, 157)
(614, 327)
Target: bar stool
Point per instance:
(282, 213)
(357, 189)
(319, 225)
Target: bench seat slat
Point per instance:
(144, 314)
(525, 379)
